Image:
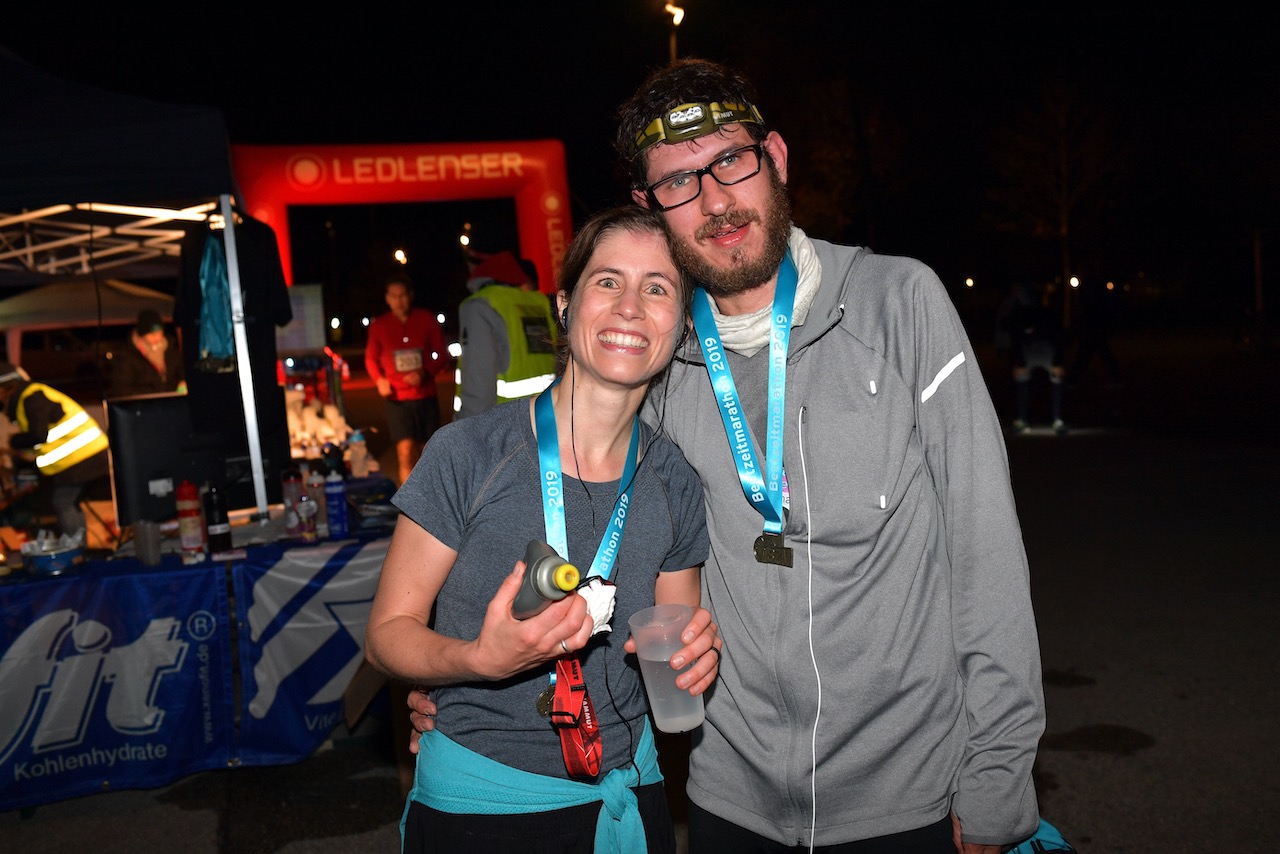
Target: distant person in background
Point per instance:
(66, 444)
(1093, 333)
(1037, 342)
(506, 328)
(405, 349)
(151, 364)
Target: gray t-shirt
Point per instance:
(477, 488)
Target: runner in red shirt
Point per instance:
(405, 349)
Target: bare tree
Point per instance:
(1056, 170)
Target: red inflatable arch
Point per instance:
(272, 177)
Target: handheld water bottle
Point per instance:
(547, 578)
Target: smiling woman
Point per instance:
(567, 725)
(620, 297)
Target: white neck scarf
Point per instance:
(748, 334)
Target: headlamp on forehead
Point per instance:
(690, 121)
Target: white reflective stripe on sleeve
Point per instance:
(955, 362)
(524, 388)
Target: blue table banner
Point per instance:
(301, 614)
(115, 676)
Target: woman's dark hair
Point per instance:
(632, 218)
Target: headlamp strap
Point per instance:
(574, 717)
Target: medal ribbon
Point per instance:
(764, 493)
(572, 714)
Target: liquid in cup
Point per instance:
(657, 633)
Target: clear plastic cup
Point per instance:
(657, 633)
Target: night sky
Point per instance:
(896, 119)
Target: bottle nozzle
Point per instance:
(547, 578)
(566, 577)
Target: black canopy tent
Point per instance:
(94, 181)
(84, 167)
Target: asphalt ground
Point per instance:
(1151, 532)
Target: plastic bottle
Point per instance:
(313, 478)
(359, 453)
(306, 511)
(190, 522)
(547, 578)
(292, 489)
(335, 497)
(217, 522)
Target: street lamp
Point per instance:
(677, 15)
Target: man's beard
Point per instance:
(745, 273)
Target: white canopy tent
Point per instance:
(74, 304)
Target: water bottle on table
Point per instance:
(335, 501)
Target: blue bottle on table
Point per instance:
(335, 499)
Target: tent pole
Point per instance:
(242, 358)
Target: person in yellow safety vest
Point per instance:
(507, 333)
(66, 444)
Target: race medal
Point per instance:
(770, 548)
(545, 701)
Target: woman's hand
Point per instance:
(422, 716)
(507, 646)
(400, 642)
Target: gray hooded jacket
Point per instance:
(899, 654)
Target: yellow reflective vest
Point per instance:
(531, 332)
(75, 437)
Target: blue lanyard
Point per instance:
(553, 488)
(763, 491)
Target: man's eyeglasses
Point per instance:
(683, 187)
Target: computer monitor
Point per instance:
(145, 436)
(153, 447)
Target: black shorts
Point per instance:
(1038, 354)
(412, 419)
(568, 831)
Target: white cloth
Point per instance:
(600, 602)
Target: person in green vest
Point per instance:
(66, 444)
(507, 333)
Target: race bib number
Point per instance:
(408, 360)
